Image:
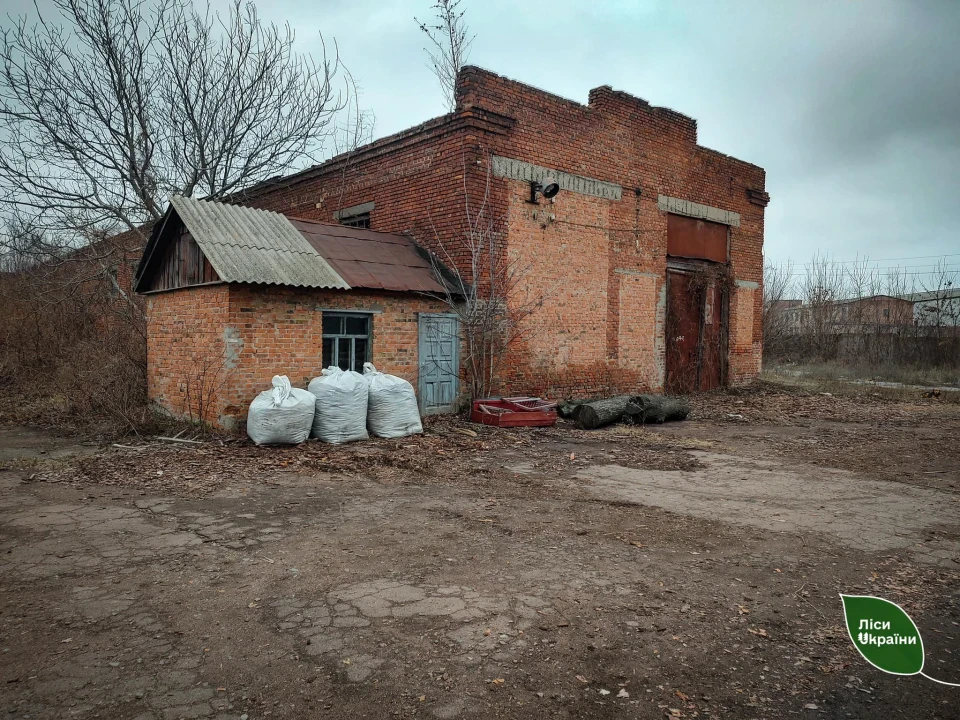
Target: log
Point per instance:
(656, 408)
(598, 413)
(568, 408)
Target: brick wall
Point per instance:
(599, 246)
(229, 341)
(186, 350)
(593, 331)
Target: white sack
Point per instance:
(392, 410)
(281, 416)
(341, 414)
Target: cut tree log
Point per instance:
(597, 413)
(568, 408)
(656, 408)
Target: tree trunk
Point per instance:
(657, 408)
(598, 413)
(568, 408)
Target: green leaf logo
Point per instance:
(884, 634)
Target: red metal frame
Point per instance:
(514, 412)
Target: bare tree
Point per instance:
(449, 46)
(353, 131)
(821, 287)
(113, 105)
(487, 290)
(22, 245)
(777, 285)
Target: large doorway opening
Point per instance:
(696, 328)
(697, 301)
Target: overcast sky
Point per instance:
(851, 106)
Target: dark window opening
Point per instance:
(346, 340)
(358, 221)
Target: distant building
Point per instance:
(873, 314)
(937, 308)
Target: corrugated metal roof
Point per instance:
(369, 259)
(255, 246)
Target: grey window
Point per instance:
(358, 221)
(357, 216)
(346, 340)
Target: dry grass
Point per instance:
(863, 375)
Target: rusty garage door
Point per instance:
(696, 338)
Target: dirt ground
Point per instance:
(690, 570)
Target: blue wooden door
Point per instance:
(439, 371)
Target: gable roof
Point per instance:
(247, 245)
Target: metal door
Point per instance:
(695, 337)
(439, 368)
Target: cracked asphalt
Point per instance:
(560, 584)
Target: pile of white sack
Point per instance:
(281, 416)
(392, 410)
(341, 414)
(337, 407)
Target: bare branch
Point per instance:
(449, 45)
(112, 105)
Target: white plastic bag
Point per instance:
(281, 416)
(392, 410)
(341, 414)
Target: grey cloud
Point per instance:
(852, 106)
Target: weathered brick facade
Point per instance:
(211, 349)
(594, 258)
(598, 264)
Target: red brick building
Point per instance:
(645, 269)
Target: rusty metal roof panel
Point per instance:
(255, 246)
(370, 259)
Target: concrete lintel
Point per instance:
(678, 206)
(748, 284)
(354, 210)
(348, 311)
(625, 271)
(527, 172)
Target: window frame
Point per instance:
(361, 221)
(351, 337)
(357, 216)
